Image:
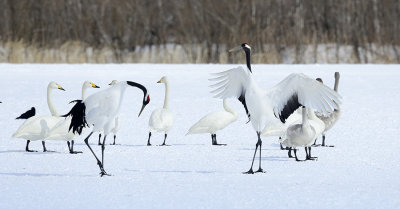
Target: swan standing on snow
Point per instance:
(161, 120)
(117, 121)
(214, 122)
(330, 119)
(304, 134)
(60, 130)
(99, 110)
(272, 107)
(37, 127)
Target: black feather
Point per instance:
(242, 99)
(27, 114)
(78, 117)
(291, 106)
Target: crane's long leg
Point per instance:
(255, 151)
(99, 140)
(71, 148)
(103, 146)
(260, 170)
(44, 147)
(27, 146)
(165, 137)
(215, 141)
(102, 171)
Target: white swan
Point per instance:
(214, 122)
(304, 134)
(330, 119)
(37, 127)
(161, 120)
(274, 106)
(117, 121)
(99, 110)
(60, 131)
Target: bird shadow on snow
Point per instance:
(40, 174)
(30, 153)
(172, 171)
(269, 158)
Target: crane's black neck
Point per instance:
(140, 86)
(247, 51)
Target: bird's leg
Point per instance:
(212, 139)
(260, 142)
(27, 146)
(148, 141)
(315, 142)
(115, 136)
(250, 171)
(103, 146)
(323, 142)
(280, 144)
(44, 147)
(165, 137)
(102, 171)
(309, 155)
(215, 141)
(71, 150)
(290, 152)
(99, 139)
(295, 154)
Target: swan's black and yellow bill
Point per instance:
(59, 87)
(94, 85)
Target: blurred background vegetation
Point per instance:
(199, 31)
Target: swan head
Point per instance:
(113, 82)
(164, 79)
(54, 85)
(88, 84)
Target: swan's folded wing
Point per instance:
(299, 90)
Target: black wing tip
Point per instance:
(78, 117)
(291, 106)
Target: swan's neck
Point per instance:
(227, 108)
(336, 87)
(84, 88)
(52, 109)
(305, 122)
(166, 99)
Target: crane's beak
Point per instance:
(141, 110)
(235, 49)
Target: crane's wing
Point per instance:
(298, 90)
(231, 83)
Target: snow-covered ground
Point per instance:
(361, 171)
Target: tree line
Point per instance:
(207, 27)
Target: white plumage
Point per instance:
(61, 130)
(100, 110)
(38, 127)
(330, 119)
(161, 120)
(304, 133)
(269, 108)
(214, 122)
